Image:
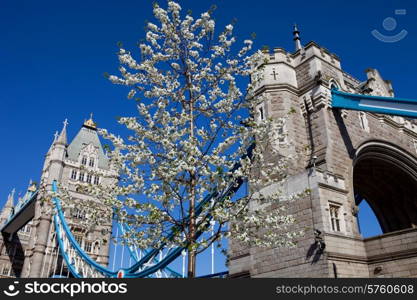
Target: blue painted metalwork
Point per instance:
(20, 207)
(133, 271)
(375, 104)
(123, 228)
(132, 251)
(61, 222)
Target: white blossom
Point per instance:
(194, 122)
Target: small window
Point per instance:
(6, 271)
(363, 121)
(261, 113)
(335, 217)
(89, 178)
(282, 136)
(78, 213)
(96, 248)
(87, 246)
(74, 174)
(91, 164)
(84, 161)
(25, 229)
(81, 178)
(79, 239)
(96, 180)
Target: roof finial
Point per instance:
(297, 41)
(90, 123)
(56, 134)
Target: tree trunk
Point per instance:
(191, 263)
(192, 232)
(192, 253)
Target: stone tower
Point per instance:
(343, 158)
(79, 163)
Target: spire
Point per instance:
(297, 41)
(10, 199)
(62, 138)
(8, 208)
(90, 123)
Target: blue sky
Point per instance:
(53, 55)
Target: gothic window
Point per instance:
(81, 176)
(79, 239)
(282, 136)
(78, 213)
(74, 174)
(96, 180)
(84, 160)
(96, 247)
(261, 113)
(91, 162)
(25, 229)
(335, 217)
(89, 178)
(88, 246)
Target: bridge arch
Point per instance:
(386, 176)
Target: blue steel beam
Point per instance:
(375, 104)
(132, 272)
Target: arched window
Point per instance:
(91, 164)
(74, 174)
(78, 213)
(88, 246)
(97, 247)
(336, 220)
(84, 160)
(261, 113)
(89, 178)
(81, 178)
(79, 240)
(334, 217)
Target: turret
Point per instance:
(8, 208)
(54, 161)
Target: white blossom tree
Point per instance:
(194, 123)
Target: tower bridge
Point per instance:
(28, 244)
(353, 141)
